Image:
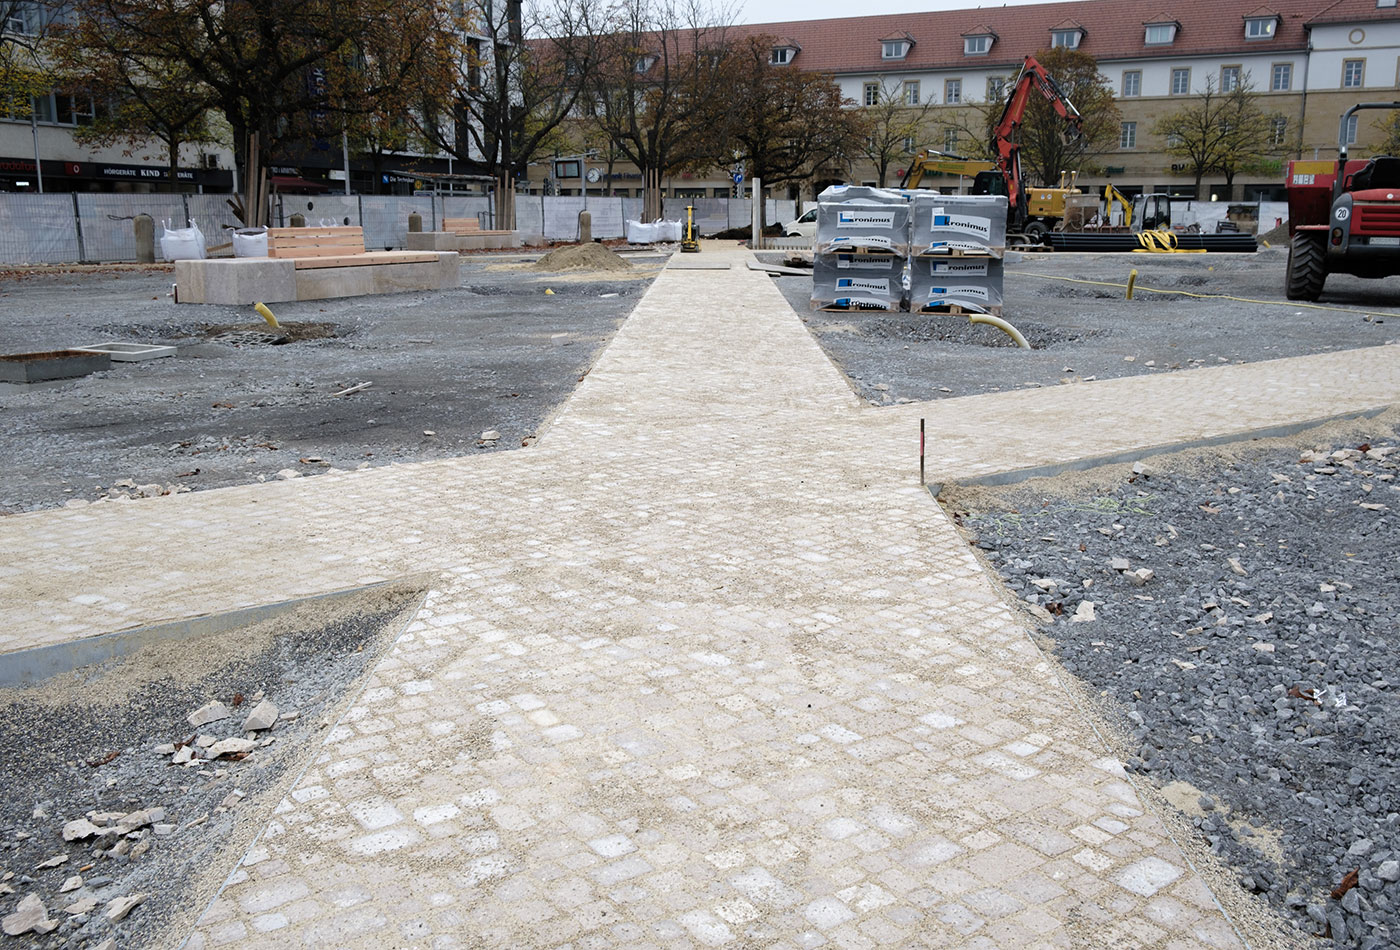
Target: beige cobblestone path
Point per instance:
(706, 667)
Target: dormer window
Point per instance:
(782, 55)
(1066, 39)
(1161, 32)
(1260, 27)
(896, 47)
(644, 63)
(978, 41)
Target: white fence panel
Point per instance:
(561, 217)
(38, 229)
(608, 217)
(461, 206)
(108, 233)
(385, 219)
(529, 214)
(213, 215)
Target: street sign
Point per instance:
(738, 178)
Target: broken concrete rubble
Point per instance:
(210, 712)
(29, 915)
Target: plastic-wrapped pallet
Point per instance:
(857, 282)
(958, 224)
(857, 218)
(967, 282)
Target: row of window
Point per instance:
(1280, 80)
(1278, 133)
(55, 108)
(1157, 34)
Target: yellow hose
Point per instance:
(1160, 242)
(266, 314)
(1186, 293)
(1001, 325)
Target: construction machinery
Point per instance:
(934, 164)
(690, 238)
(1343, 216)
(1031, 212)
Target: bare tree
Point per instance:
(895, 126)
(780, 122)
(519, 72)
(660, 73)
(274, 68)
(1217, 131)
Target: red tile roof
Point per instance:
(852, 44)
(1354, 11)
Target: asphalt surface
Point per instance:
(238, 404)
(1073, 311)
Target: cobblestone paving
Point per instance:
(706, 667)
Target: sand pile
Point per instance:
(581, 257)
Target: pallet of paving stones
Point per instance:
(958, 310)
(957, 251)
(851, 305)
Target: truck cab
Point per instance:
(1343, 217)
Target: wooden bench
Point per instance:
(333, 247)
(469, 226)
(313, 264)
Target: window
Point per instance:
(1132, 82)
(911, 93)
(996, 88)
(893, 49)
(22, 18)
(950, 141)
(952, 92)
(1181, 82)
(1351, 130)
(1066, 39)
(872, 93)
(1160, 34)
(909, 144)
(644, 63)
(1282, 79)
(1260, 28)
(1174, 140)
(977, 45)
(782, 55)
(1278, 130)
(1127, 135)
(1229, 78)
(1352, 72)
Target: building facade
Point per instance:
(1309, 60)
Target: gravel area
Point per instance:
(241, 403)
(95, 756)
(1083, 331)
(1235, 614)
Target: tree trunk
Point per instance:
(505, 201)
(651, 194)
(173, 150)
(1199, 176)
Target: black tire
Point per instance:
(1307, 267)
(1036, 231)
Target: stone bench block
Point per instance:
(248, 280)
(236, 280)
(431, 241)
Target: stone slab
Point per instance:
(237, 280)
(431, 241)
(248, 280)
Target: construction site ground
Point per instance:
(699, 662)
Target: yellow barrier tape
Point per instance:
(1186, 293)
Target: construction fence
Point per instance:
(91, 227)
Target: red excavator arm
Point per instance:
(1006, 144)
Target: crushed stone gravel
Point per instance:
(1253, 671)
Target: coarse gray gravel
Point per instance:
(1255, 671)
(235, 407)
(85, 743)
(1083, 331)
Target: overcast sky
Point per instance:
(781, 11)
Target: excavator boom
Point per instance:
(1006, 136)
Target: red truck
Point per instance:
(1343, 216)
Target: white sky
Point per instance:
(781, 11)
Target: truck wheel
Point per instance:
(1036, 231)
(1307, 268)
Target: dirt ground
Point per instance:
(1073, 311)
(241, 403)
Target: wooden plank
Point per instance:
(328, 229)
(365, 260)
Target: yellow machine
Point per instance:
(934, 164)
(1110, 195)
(690, 241)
